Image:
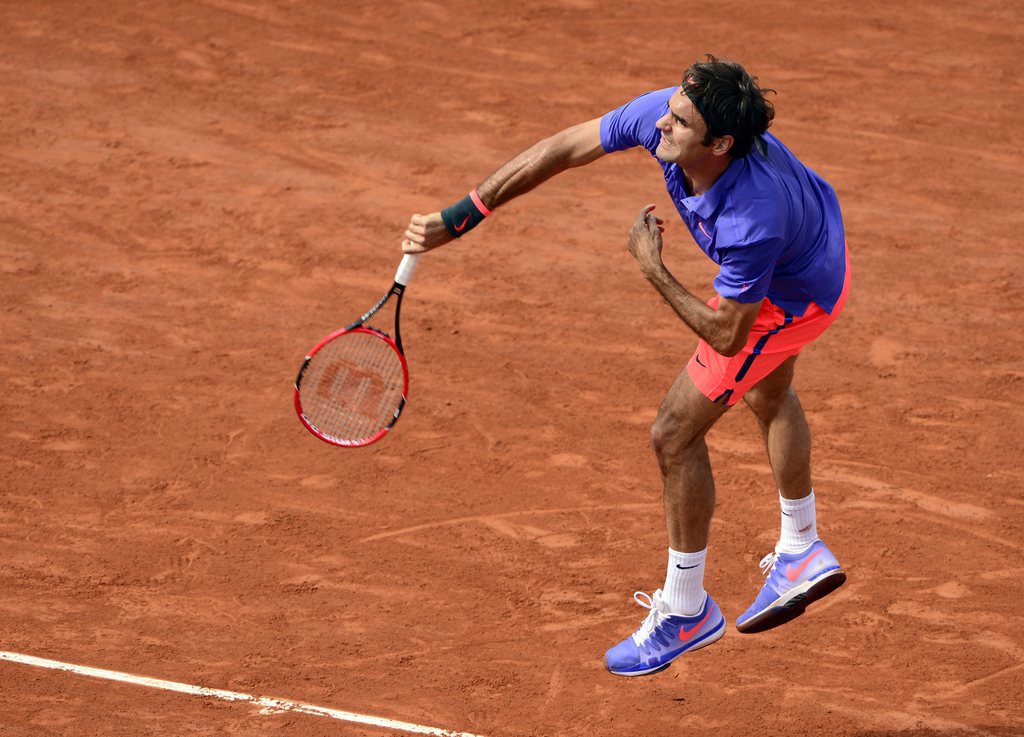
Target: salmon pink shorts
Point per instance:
(775, 336)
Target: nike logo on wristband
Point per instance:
(462, 226)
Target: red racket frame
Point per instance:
(405, 389)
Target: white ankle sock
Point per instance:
(684, 581)
(799, 524)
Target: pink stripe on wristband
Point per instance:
(479, 203)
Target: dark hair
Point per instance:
(730, 102)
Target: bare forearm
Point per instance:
(698, 316)
(572, 147)
(527, 170)
(726, 328)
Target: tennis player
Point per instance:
(775, 230)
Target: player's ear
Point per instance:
(721, 145)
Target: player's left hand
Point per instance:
(645, 240)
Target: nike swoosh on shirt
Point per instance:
(685, 634)
(793, 575)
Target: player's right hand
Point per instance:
(425, 232)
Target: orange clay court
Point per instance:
(195, 192)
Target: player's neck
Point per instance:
(700, 178)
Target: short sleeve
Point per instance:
(634, 124)
(746, 270)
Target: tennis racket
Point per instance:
(354, 383)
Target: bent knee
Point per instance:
(767, 404)
(670, 438)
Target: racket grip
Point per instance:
(405, 269)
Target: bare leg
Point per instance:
(678, 440)
(785, 430)
(682, 616)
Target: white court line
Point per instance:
(270, 705)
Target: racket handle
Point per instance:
(405, 269)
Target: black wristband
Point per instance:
(464, 215)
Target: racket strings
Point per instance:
(353, 387)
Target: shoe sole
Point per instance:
(784, 610)
(715, 637)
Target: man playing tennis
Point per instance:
(774, 228)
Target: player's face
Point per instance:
(682, 132)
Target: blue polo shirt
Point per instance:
(772, 225)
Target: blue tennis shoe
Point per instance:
(663, 637)
(794, 580)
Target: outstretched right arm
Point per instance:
(572, 147)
